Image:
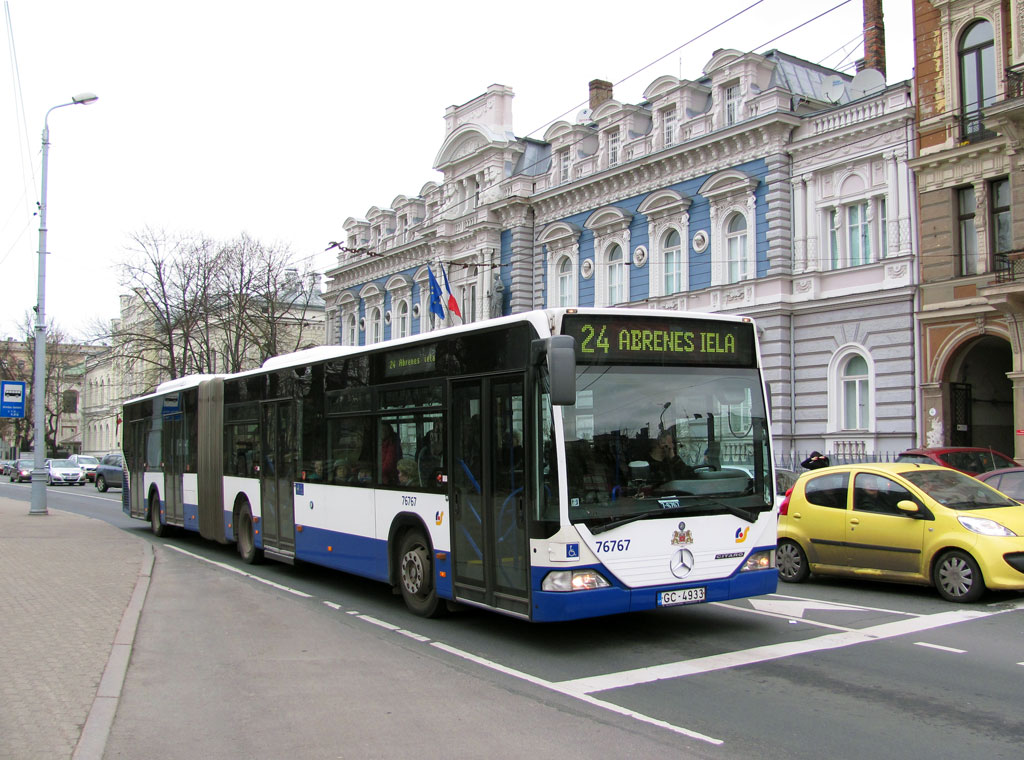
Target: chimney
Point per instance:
(600, 91)
(874, 36)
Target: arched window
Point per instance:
(616, 265)
(977, 76)
(855, 393)
(736, 248)
(566, 292)
(402, 326)
(672, 249)
(376, 326)
(351, 335)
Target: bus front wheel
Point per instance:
(416, 576)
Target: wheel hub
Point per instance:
(413, 564)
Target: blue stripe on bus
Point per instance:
(353, 554)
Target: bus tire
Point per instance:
(159, 528)
(245, 537)
(416, 575)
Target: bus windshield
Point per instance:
(654, 441)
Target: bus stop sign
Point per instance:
(12, 399)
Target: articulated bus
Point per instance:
(552, 465)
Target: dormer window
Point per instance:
(563, 165)
(669, 126)
(732, 104)
(613, 147)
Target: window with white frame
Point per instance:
(732, 104)
(376, 326)
(563, 165)
(468, 304)
(669, 126)
(855, 231)
(351, 334)
(402, 323)
(566, 277)
(855, 392)
(613, 147)
(673, 254)
(737, 264)
(615, 267)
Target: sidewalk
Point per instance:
(71, 590)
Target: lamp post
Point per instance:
(38, 506)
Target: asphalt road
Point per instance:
(827, 668)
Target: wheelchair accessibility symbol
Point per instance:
(572, 551)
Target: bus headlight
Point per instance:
(764, 560)
(573, 580)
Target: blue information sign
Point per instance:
(12, 398)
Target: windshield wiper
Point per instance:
(744, 514)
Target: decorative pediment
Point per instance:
(663, 203)
(467, 141)
(726, 183)
(660, 87)
(368, 291)
(608, 219)
(559, 234)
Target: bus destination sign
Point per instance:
(411, 361)
(653, 340)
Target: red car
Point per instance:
(970, 460)
(1009, 480)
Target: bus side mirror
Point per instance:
(560, 352)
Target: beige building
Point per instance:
(970, 315)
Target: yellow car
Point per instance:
(905, 522)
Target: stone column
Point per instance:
(779, 215)
(1017, 379)
(799, 225)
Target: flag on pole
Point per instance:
(453, 305)
(435, 295)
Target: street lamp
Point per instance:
(38, 506)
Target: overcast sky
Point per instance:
(281, 120)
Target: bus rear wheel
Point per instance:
(159, 529)
(246, 537)
(416, 575)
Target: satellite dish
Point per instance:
(833, 89)
(583, 117)
(866, 82)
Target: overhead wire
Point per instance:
(482, 162)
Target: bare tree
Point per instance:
(196, 306)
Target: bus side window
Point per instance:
(349, 461)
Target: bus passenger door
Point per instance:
(488, 494)
(174, 441)
(277, 478)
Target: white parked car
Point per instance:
(87, 463)
(63, 471)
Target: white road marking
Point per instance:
(797, 609)
(225, 566)
(575, 695)
(769, 652)
(901, 613)
(940, 647)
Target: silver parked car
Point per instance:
(64, 472)
(87, 463)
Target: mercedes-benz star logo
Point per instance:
(681, 563)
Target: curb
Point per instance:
(93, 740)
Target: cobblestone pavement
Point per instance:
(65, 584)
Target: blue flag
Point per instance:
(435, 295)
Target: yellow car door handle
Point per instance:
(854, 521)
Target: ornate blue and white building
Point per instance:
(768, 186)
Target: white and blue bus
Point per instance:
(552, 465)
